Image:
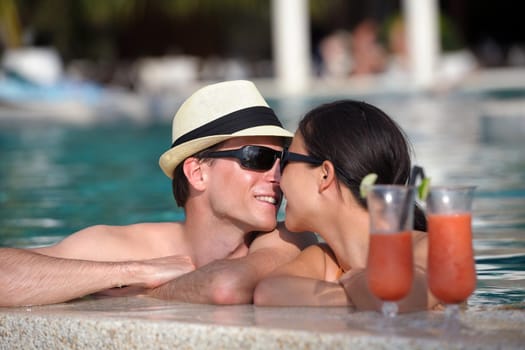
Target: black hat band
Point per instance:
(233, 122)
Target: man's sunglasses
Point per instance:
(251, 157)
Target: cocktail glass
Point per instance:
(390, 267)
(451, 266)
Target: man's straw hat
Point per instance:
(216, 113)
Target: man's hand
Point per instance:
(226, 281)
(151, 274)
(155, 272)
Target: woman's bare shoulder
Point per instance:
(308, 263)
(419, 236)
(321, 252)
(420, 244)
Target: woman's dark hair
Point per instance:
(359, 139)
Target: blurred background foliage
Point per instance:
(122, 29)
(113, 32)
(127, 29)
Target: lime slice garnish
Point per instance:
(423, 188)
(368, 180)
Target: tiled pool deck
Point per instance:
(146, 323)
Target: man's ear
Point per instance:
(192, 168)
(326, 175)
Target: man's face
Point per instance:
(248, 199)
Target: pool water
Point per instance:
(56, 179)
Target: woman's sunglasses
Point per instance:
(288, 157)
(296, 157)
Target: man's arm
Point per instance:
(91, 260)
(232, 281)
(28, 278)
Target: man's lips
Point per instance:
(269, 199)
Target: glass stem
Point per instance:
(452, 323)
(452, 311)
(389, 309)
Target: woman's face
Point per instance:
(299, 186)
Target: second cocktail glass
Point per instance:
(390, 267)
(451, 266)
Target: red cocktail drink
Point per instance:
(390, 265)
(451, 269)
(390, 268)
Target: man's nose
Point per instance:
(274, 174)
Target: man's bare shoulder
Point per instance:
(281, 236)
(302, 239)
(118, 243)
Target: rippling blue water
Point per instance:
(56, 179)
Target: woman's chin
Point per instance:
(292, 226)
